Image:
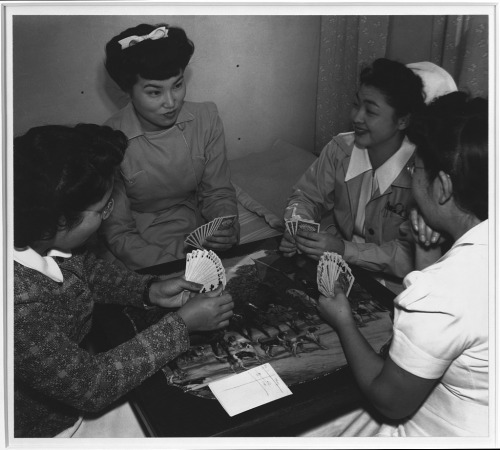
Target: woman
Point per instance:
(362, 176)
(63, 180)
(434, 381)
(174, 176)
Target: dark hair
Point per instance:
(451, 134)
(157, 59)
(402, 89)
(59, 172)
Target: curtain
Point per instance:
(459, 44)
(346, 44)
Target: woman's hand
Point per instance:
(287, 245)
(428, 241)
(172, 293)
(208, 311)
(422, 233)
(315, 244)
(336, 310)
(224, 239)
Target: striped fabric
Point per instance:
(256, 221)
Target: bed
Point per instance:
(263, 182)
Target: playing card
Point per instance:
(332, 268)
(198, 236)
(213, 225)
(289, 227)
(205, 267)
(295, 224)
(344, 281)
(191, 240)
(307, 225)
(225, 222)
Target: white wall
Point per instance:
(261, 71)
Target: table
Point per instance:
(167, 411)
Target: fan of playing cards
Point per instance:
(295, 224)
(205, 267)
(332, 268)
(198, 236)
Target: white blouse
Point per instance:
(441, 330)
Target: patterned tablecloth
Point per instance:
(275, 320)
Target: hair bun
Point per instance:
(104, 143)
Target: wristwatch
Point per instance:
(146, 301)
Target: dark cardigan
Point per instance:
(55, 380)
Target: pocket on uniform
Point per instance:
(137, 185)
(391, 223)
(396, 210)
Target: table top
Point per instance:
(167, 411)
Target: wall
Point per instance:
(410, 39)
(261, 71)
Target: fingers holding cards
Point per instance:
(226, 222)
(333, 269)
(205, 267)
(198, 237)
(307, 226)
(294, 225)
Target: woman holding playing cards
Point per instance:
(174, 176)
(362, 175)
(434, 381)
(63, 183)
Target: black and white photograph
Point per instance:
(249, 225)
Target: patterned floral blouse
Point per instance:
(56, 380)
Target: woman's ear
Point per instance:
(61, 223)
(444, 186)
(403, 122)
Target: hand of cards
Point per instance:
(332, 268)
(295, 224)
(198, 236)
(205, 267)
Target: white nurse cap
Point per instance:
(436, 80)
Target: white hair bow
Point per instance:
(132, 40)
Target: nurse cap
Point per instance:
(436, 80)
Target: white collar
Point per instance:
(478, 234)
(387, 172)
(43, 264)
(359, 163)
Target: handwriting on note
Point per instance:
(247, 390)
